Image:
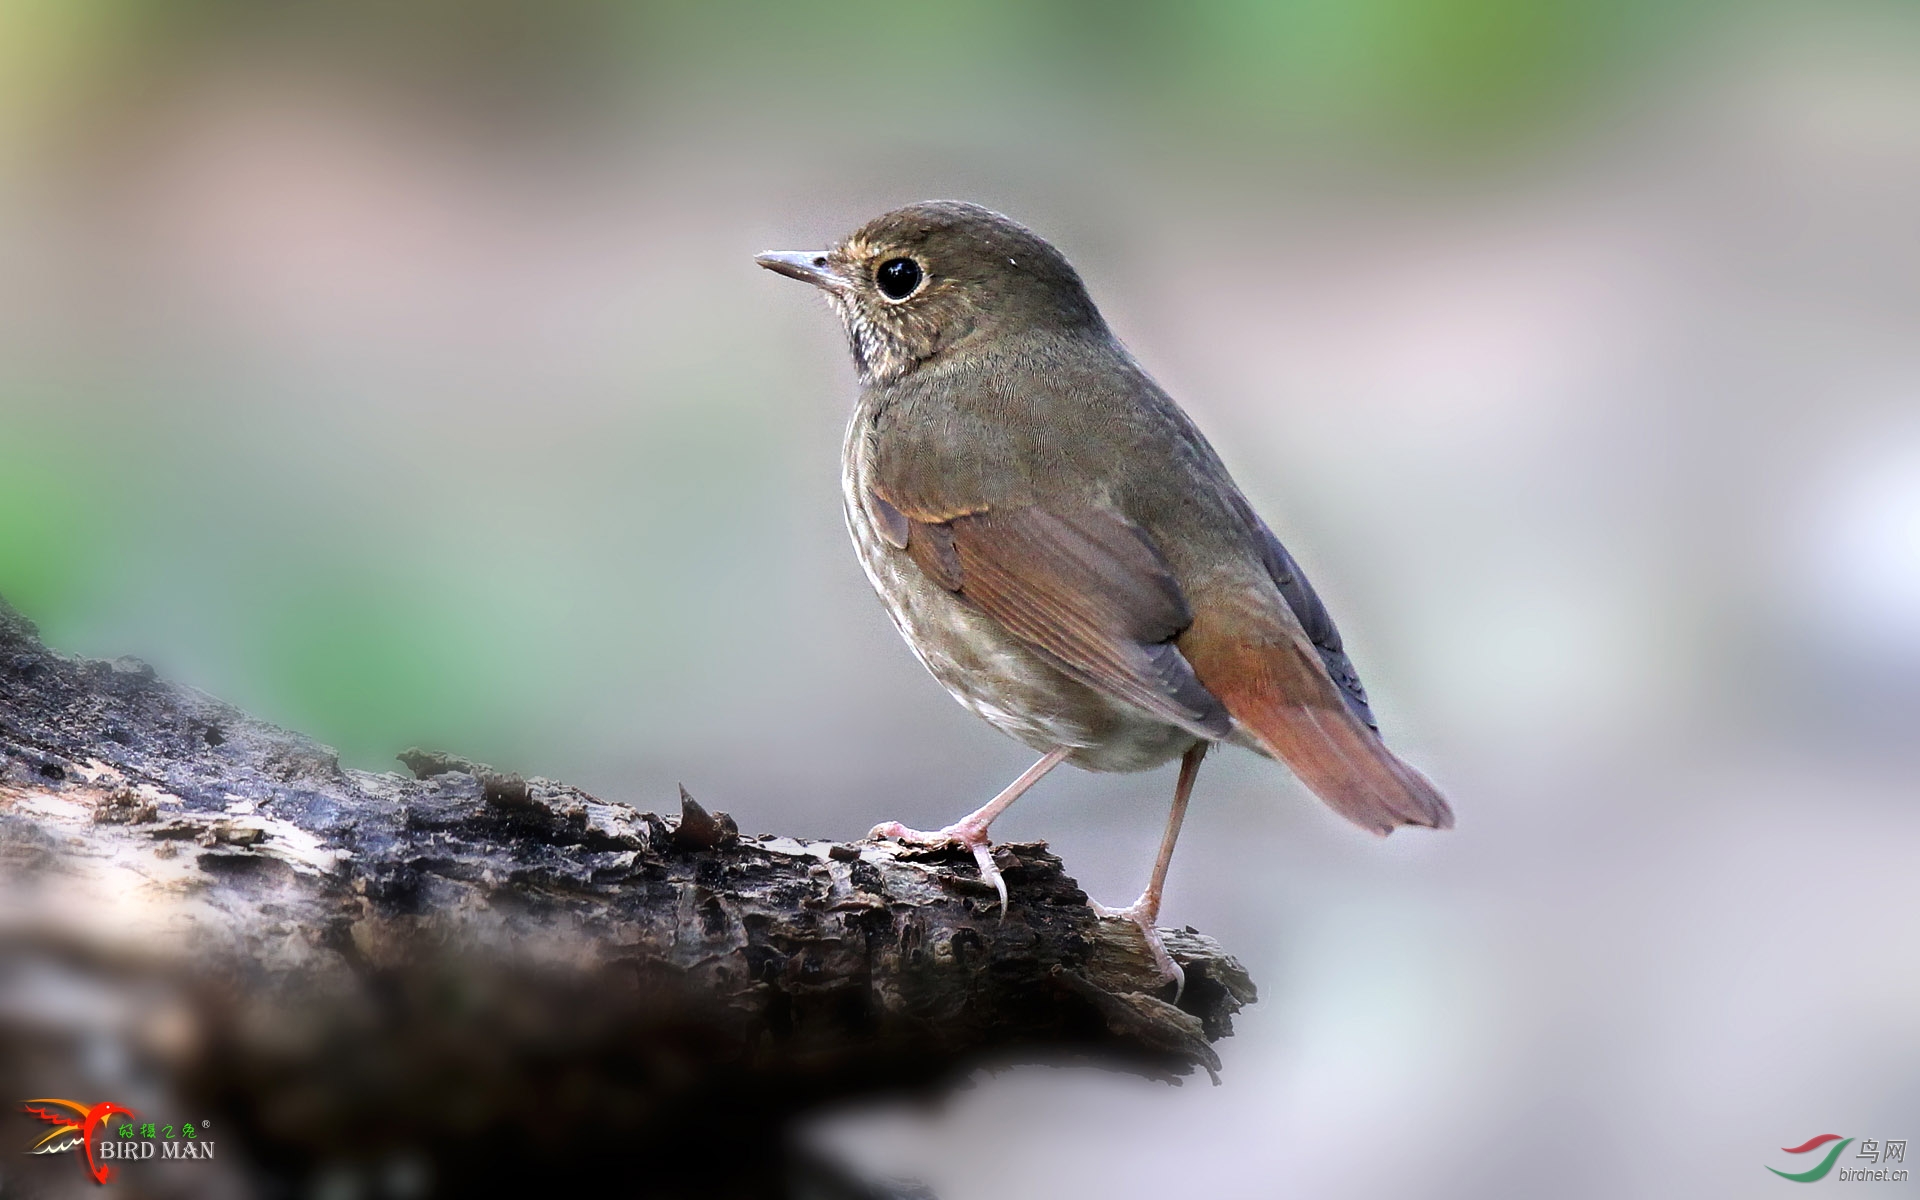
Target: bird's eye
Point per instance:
(897, 278)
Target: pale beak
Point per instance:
(808, 266)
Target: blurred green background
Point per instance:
(399, 372)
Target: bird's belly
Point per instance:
(997, 676)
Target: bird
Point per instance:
(1062, 548)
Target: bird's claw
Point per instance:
(1143, 918)
(953, 835)
(990, 871)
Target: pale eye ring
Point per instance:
(898, 278)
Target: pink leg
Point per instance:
(1146, 910)
(971, 830)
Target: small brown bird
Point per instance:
(1062, 548)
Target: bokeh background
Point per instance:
(400, 373)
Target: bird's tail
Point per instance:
(1278, 691)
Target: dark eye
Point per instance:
(897, 278)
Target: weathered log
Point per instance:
(467, 977)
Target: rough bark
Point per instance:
(468, 978)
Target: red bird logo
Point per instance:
(73, 1127)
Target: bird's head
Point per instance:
(913, 284)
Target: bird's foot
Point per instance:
(1142, 915)
(972, 837)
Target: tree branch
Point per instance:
(485, 979)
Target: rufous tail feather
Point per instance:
(1278, 691)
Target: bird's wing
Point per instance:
(1083, 585)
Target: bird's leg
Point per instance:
(971, 830)
(1146, 910)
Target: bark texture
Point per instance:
(414, 985)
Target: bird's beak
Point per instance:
(808, 266)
